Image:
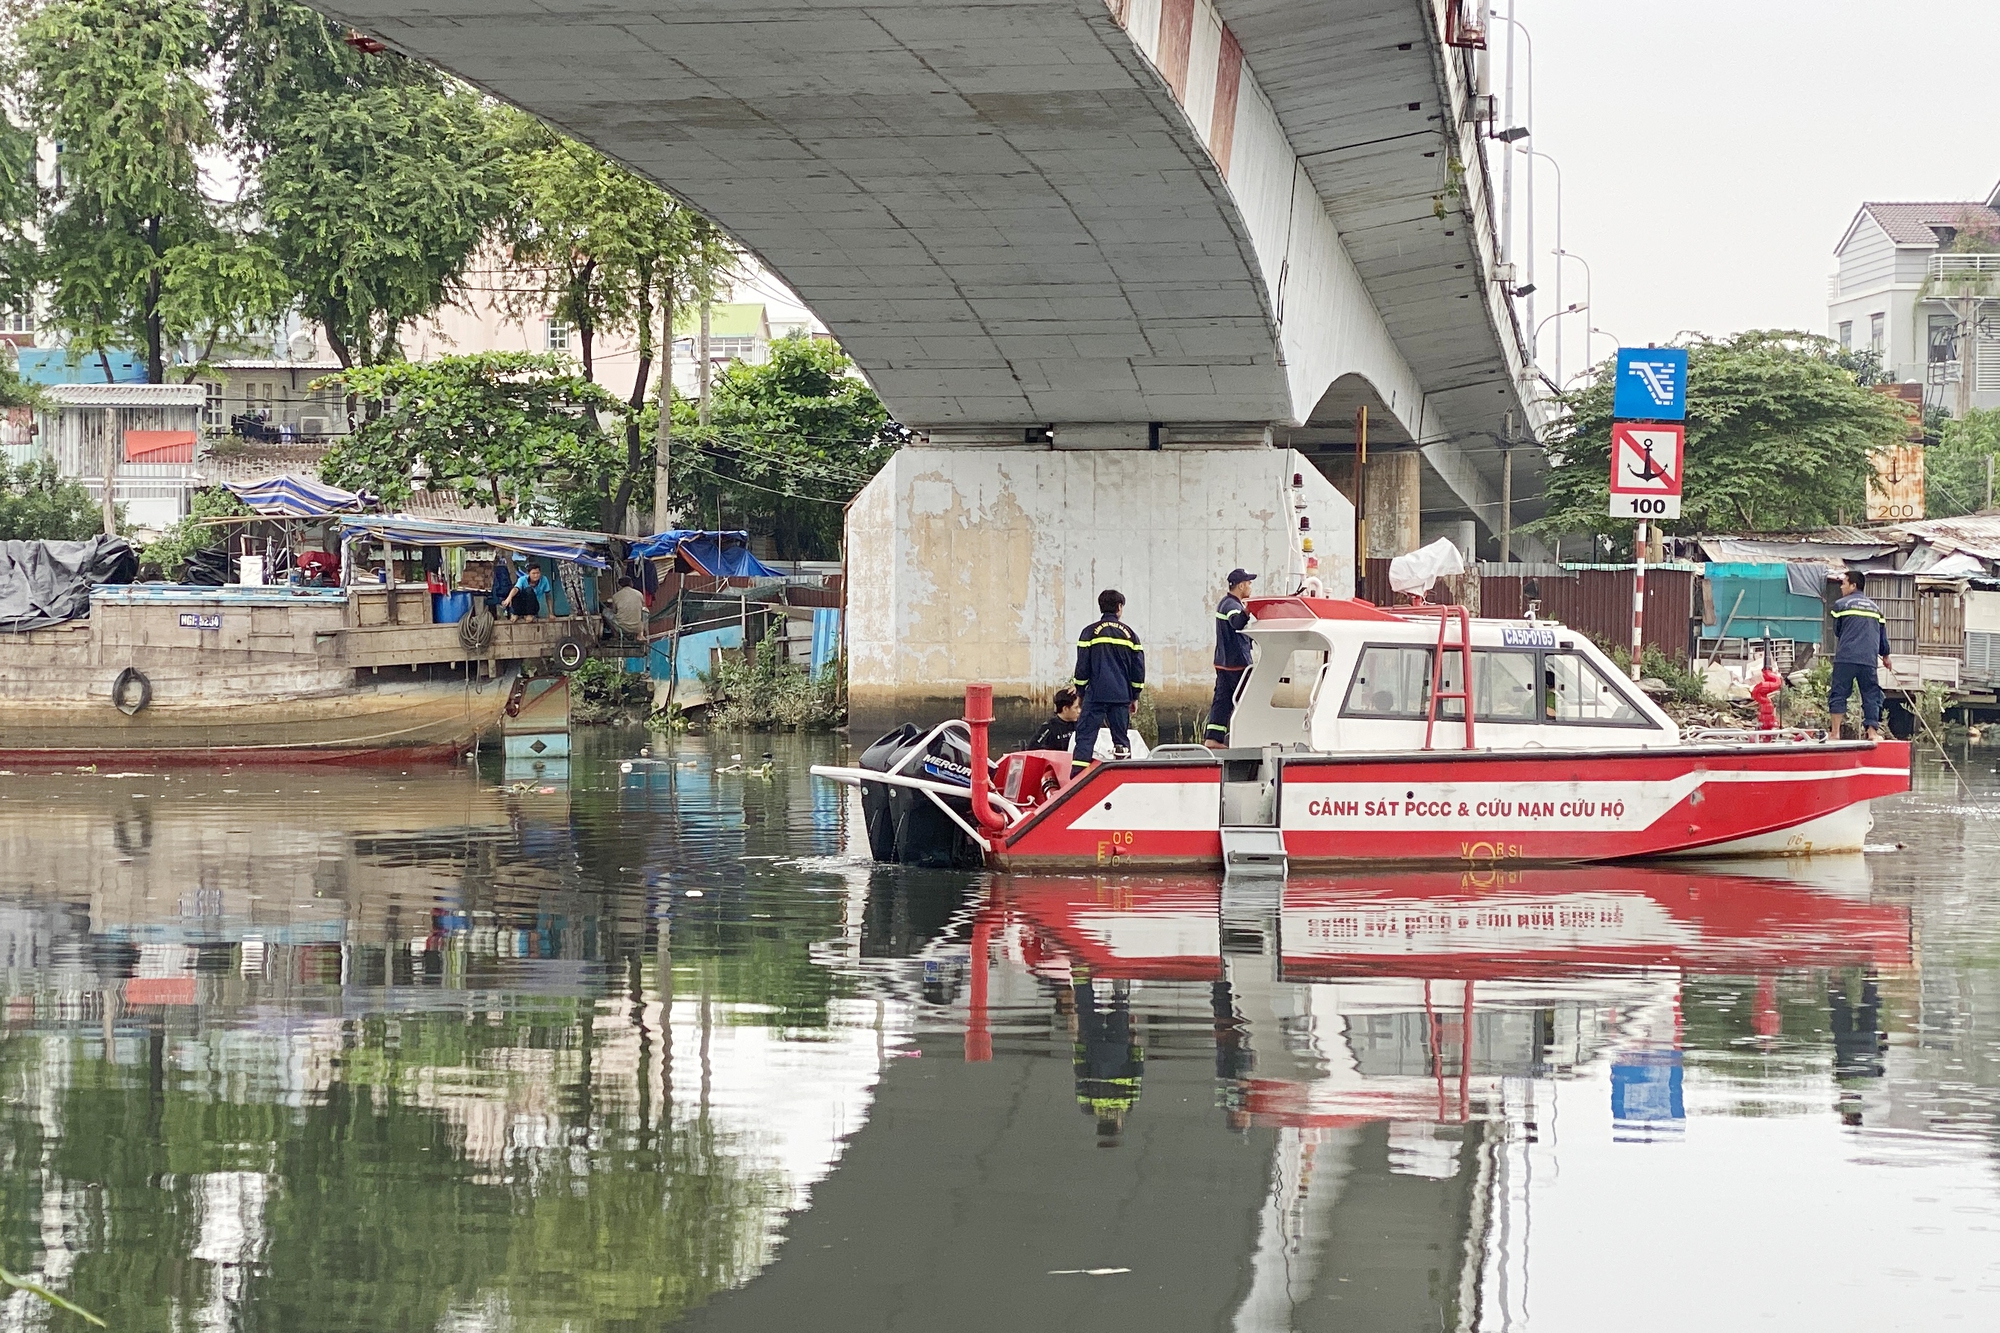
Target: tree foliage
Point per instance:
(515, 430)
(604, 250)
(131, 245)
(788, 444)
(376, 179)
(174, 547)
(1778, 437)
(19, 201)
(1955, 467)
(37, 503)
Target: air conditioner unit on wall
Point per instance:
(312, 425)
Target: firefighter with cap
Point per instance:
(1862, 639)
(1110, 671)
(1232, 657)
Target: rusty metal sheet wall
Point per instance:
(1599, 603)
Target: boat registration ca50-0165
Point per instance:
(1369, 734)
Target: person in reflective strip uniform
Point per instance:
(1232, 658)
(1110, 670)
(1862, 636)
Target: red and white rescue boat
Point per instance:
(1351, 744)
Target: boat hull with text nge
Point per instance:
(1351, 744)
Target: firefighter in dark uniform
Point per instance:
(1110, 670)
(1232, 658)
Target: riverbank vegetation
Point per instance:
(764, 693)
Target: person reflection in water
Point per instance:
(1858, 1042)
(1109, 1062)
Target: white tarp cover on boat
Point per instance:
(1418, 570)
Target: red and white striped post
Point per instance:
(1638, 593)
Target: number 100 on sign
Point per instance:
(1645, 506)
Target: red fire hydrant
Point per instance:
(1763, 693)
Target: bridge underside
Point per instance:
(1141, 225)
(988, 204)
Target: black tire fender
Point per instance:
(127, 678)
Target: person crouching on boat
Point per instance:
(1232, 658)
(1060, 729)
(525, 601)
(1110, 671)
(1863, 636)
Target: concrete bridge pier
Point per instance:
(979, 554)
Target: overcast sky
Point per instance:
(1713, 151)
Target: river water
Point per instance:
(463, 1050)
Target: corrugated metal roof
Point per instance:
(321, 367)
(127, 395)
(1975, 534)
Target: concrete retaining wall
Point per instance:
(983, 564)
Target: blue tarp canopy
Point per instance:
(585, 548)
(717, 554)
(296, 497)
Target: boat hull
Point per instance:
(393, 722)
(1483, 807)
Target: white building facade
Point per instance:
(1913, 286)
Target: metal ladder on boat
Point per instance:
(1253, 843)
(1446, 616)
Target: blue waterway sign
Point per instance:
(1528, 638)
(201, 620)
(1652, 384)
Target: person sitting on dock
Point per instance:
(625, 613)
(1110, 671)
(525, 601)
(1060, 729)
(1862, 637)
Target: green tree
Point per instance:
(788, 444)
(516, 430)
(37, 503)
(1955, 467)
(1778, 438)
(604, 251)
(19, 199)
(127, 231)
(377, 178)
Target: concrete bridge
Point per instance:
(1127, 266)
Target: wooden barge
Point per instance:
(251, 674)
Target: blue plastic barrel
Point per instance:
(448, 608)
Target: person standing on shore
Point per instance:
(1232, 658)
(1110, 671)
(1862, 636)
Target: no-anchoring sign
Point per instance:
(1646, 470)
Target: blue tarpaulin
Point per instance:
(295, 497)
(585, 548)
(718, 554)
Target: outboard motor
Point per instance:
(904, 825)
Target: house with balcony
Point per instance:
(1919, 284)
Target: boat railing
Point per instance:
(1750, 736)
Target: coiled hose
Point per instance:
(475, 632)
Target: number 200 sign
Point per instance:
(1646, 470)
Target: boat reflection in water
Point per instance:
(1317, 1100)
(465, 1053)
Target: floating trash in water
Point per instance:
(1086, 1272)
(692, 893)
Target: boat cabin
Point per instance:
(1343, 676)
